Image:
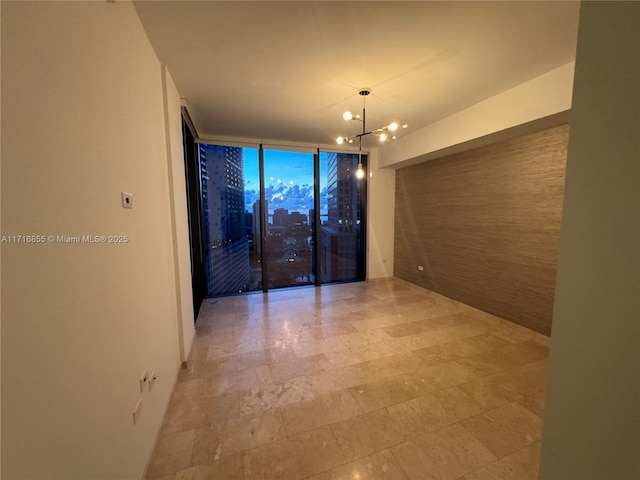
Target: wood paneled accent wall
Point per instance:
(485, 224)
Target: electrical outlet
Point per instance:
(144, 378)
(136, 411)
(127, 200)
(152, 379)
(421, 268)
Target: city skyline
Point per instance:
(242, 254)
(288, 181)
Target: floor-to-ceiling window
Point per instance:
(193, 186)
(230, 196)
(288, 201)
(279, 218)
(342, 218)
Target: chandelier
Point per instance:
(382, 134)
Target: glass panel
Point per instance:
(231, 220)
(289, 205)
(341, 256)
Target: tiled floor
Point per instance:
(375, 380)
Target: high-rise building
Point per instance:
(341, 191)
(226, 191)
(340, 233)
(224, 219)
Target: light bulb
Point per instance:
(339, 140)
(347, 115)
(405, 125)
(360, 171)
(393, 126)
(383, 137)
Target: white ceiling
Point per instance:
(286, 71)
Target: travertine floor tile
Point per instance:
(203, 368)
(207, 444)
(172, 453)
(508, 385)
(272, 395)
(534, 402)
(490, 392)
(382, 393)
(379, 466)
(324, 410)
(191, 390)
(228, 468)
(444, 454)
(374, 321)
(182, 417)
(521, 465)
(322, 331)
(264, 357)
(244, 433)
(393, 365)
(505, 429)
(446, 375)
(295, 458)
(343, 343)
(514, 333)
(457, 349)
(363, 352)
(514, 355)
(365, 434)
(221, 408)
(529, 378)
(239, 380)
(283, 371)
(379, 379)
(442, 408)
(526, 460)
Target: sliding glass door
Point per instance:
(274, 219)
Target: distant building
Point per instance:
(297, 218)
(257, 231)
(312, 218)
(280, 217)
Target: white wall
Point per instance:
(180, 223)
(592, 414)
(380, 216)
(83, 120)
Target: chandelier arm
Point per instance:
(379, 133)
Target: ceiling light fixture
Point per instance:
(379, 133)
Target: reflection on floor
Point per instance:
(372, 380)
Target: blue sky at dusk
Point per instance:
(288, 180)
